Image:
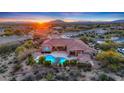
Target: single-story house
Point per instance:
(71, 46)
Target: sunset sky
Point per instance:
(65, 16)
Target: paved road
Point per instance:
(77, 33)
(10, 39)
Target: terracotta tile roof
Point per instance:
(84, 57)
(72, 44)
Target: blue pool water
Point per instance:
(52, 59)
(62, 60)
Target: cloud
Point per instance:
(66, 16)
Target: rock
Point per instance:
(29, 78)
(38, 77)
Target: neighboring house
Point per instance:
(101, 32)
(71, 46)
(117, 27)
(121, 50)
(54, 34)
(1, 31)
(57, 28)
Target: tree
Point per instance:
(31, 60)
(41, 59)
(19, 49)
(109, 56)
(111, 59)
(73, 62)
(8, 32)
(84, 39)
(28, 44)
(47, 63)
(104, 77)
(108, 45)
(66, 63)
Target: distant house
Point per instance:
(101, 32)
(58, 28)
(121, 50)
(117, 27)
(1, 31)
(71, 46)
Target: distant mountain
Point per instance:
(76, 22)
(63, 22)
(82, 22)
(118, 21)
(57, 21)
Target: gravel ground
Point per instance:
(41, 73)
(14, 38)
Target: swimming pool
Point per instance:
(61, 60)
(52, 59)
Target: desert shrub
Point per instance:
(109, 56)
(18, 32)
(31, 60)
(107, 45)
(17, 67)
(104, 77)
(8, 48)
(24, 50)
(49, 76)
(84, 66)
(121, 60)
(73, 62)
(28, 44)
(8, 32)
(13, 79)
(111, 60)
(114, 67)
(2, 70)
(29, 78)
(38, 76)
(86, 39)
(66, 63)
(20, 49)
(47, 63)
